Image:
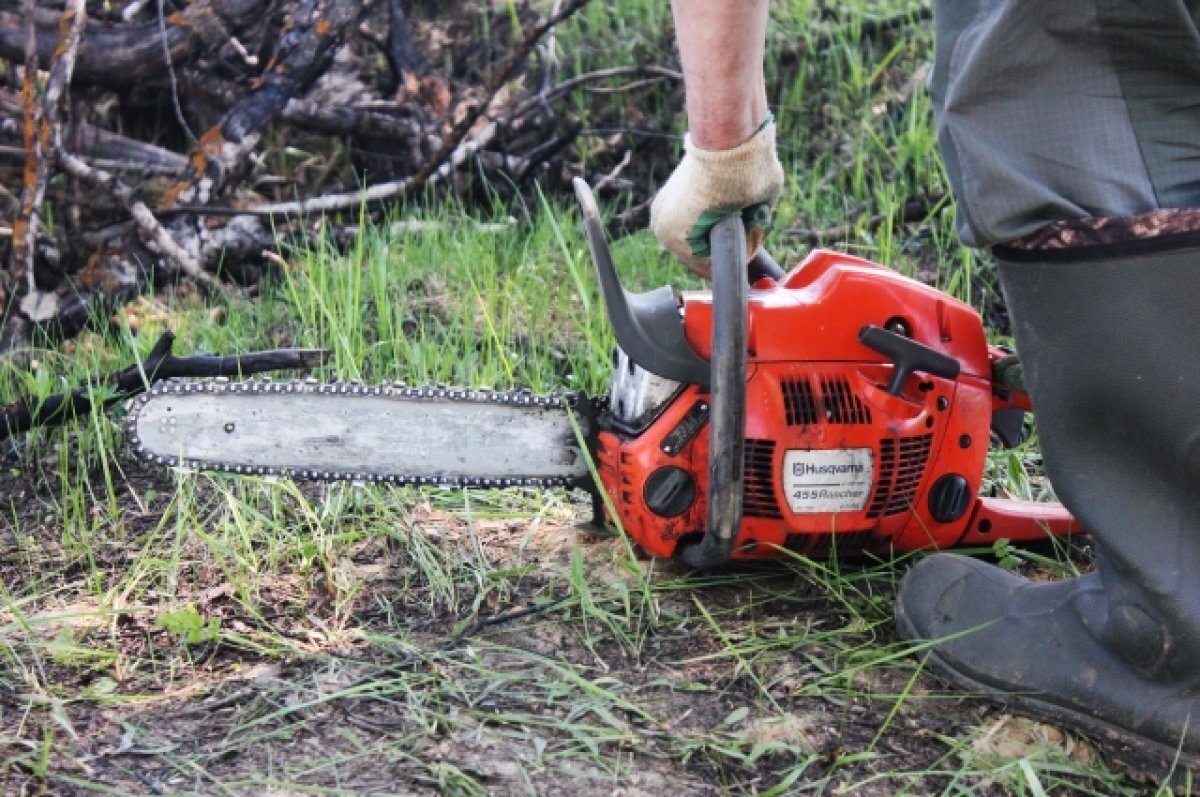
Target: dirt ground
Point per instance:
(754, 680)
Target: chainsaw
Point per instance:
(837, 409)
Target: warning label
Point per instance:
(837, 480)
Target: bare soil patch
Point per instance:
(753, 679)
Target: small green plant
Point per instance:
(189, 626)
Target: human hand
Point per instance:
(709, 185)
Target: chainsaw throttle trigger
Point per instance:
(907, 355)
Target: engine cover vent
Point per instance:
(841, 405)
(902, 463)
(836, 402)
(799, 402)
(758, 496)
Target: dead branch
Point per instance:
(161, 363)
(631, 221)
(312, 31)
(349, 120)
(549, 53)
(103, 148)
(114, 57)
(385, 120)
(389, 190)
(43, 133)
(141, 214)
(20, 265)
(171, 78)
(559, 90)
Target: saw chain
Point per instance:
(160, 430)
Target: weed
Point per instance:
(188, 626)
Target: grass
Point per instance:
(168, 632)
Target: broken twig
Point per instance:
(161, 363)
(42, 134)
(141, 214)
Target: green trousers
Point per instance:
(1054, 111)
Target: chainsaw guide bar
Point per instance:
(348, 431)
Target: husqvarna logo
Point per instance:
(812, 469)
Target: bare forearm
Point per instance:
(721, 46)
(729, 159)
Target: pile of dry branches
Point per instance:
(165, 140)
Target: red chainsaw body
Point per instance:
(834, 463)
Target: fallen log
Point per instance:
(112, 57)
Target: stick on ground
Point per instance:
(161, 363)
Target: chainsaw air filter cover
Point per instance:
(868, 408)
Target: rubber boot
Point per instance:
(1109, 338)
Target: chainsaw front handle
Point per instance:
(727, 391)
(649, 329)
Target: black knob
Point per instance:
(669, 491)
(949, 498)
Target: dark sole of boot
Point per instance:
(1136, 755)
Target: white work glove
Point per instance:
(709, 185)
